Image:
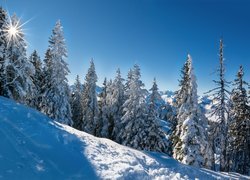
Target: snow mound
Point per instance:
(35, 147)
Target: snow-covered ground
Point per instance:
(35, 147)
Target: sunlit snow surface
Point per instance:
(34, 147)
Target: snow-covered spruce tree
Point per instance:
(133, 132)
(110, 107)
(76, 104)
(102, 105)
(156, 97)
(90, 121)
(107, 122)
(56, 93)
(117, 99)
(17, 69)
(37, 80)
(46, 81)
(239, 128)
(180, 97)
(220, 112)
(128, 81)
(181, 94)
(156, 139)
(136, 124)
(190, 138)
(3, 47)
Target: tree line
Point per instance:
(124, 111)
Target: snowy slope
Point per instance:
(35, 147)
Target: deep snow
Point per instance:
(35, 147)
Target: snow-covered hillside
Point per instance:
(35, 147)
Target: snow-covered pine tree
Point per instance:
(155, 98)
(102, 130)
(155, 139)
(46, 82)
(239, 127)
(17, 69)
(37, 80)
(190, 138)
(220, 112)
(129, 78)
(3, 47)
(180, 97)
(90, 105)
(76, 104)
(105, 115)
(102, 106)
(181, 94)
(117, 99)
(56, 93)
(128, 81)
(133, 131)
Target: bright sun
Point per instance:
(12, 31)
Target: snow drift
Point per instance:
(35, 147)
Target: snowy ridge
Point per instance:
(35, 147)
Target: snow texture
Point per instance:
(35, 147)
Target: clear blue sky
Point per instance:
(156, 34)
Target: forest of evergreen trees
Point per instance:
(124, 111)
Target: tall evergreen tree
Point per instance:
(17, 69)
(56, 95)
(46, 81)
(128, 81)
(102, 104)
(117, 99)
(76, 104)
(106, 117)
(190, 139)
(37, 80)
(135, 112)
(155, 98)
(110, 107)
(181, 95)
(239, 127)
(156, 139)
(91, 123)
(220, 112)
(3, 47)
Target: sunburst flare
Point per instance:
(14, 30)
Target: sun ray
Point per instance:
(21, 25)
(14, 30)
